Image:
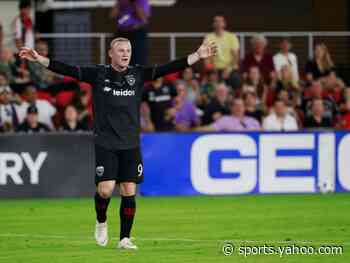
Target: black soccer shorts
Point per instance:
(119, 165)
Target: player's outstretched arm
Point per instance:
(86, 74)
(206, 50)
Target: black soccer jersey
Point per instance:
(117, 98)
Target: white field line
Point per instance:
(240, 241)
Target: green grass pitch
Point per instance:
(176, 229)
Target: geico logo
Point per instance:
(11, 164)
(260, 162)
(127, 92)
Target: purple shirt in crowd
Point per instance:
(231, 123)
(187, 115)
(127, 17)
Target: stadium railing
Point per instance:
(165, 46)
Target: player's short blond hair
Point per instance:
(118, 40)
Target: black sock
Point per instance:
(101, 206)
(127, 213)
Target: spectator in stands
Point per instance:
(32, 124)
(254, 82)
(218, 106)
(46, 111)
(18, 77)
(318, 118)
(145, 120)
(345, 97)
(292, 103)
(333, 86)
(207, 90)
(237, 121)
(252, 107)
(71, 122)
(286, 82)
(159, 97)
(1, 39)
(23, 27)
(82, 102)
(258, 57)
(8, 114)
(132, 17)
(329, 107)
(286, 58)
(321, 65)
(42, 77)
(344, 122)
(227, 58)
(280, 119)
(192, 85)
(183, 113)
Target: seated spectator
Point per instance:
(237, 121)
(285, 82)
(1, 38)
(192, 86)
(259, 58)
(71, 122)
(227, 58)
(345, 97)
(8, 115)
(159, 97)
(318, 118)
(280, 119)
(23, 28)
(82, 102)
(254, 79)
(145, 118)
(286, 58)
(333, 86)
(208, 87)
(42, 77)
(317, 92)
(46, 111)
(218, 106)
(321, 65)
(252, 107)
(344, 122)
(183, 112)
(18, 77)
(31, 123)
(289, 102)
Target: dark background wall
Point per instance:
(248, 15)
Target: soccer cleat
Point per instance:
(126, 243)
(101, 234)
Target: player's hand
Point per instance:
(207, 49)
(29, 54)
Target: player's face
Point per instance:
(121, 54)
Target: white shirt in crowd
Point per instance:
(280, 60)
(272, 123)
(6, 113)
(18, 32)
(45, 112)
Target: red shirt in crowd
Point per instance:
(265, 65)
(345, 121)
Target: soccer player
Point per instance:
(117, 94)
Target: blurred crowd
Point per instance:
(261, 92)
